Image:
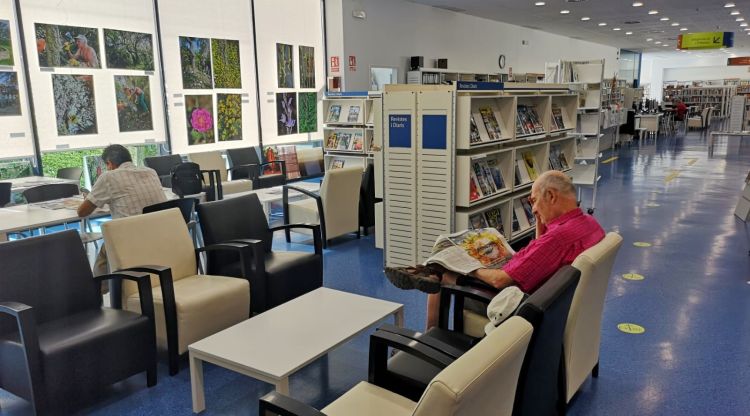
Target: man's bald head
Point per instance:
(554, 179)
(553, 195)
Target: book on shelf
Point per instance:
(357, 142)
(563, 160)
(520, 127)
(332, 140)
(554, 161)
(494, 217)
(466, 251)
(528, 210)
(522, 175)
(473, 187)
(535, 120)
(474, 136)
(523, 220)
(477, 221)
(515, 226)
(334, 112)
(337, 163)
(353, 116)
(557, 118)
(530, 164)
(494, 167)
(491, 124)
(342, 142)
(486, 185)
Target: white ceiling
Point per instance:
(695, 15)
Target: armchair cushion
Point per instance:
(366, 399)
(214, 161)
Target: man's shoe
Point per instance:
(418, 277)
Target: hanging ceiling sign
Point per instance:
(738, 61)
(706, 40)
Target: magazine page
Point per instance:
(466, 251)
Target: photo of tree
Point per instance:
(285, 65)
(128, 50)
(75, 108)
(200, 119)
(286, 113)
(67, 46)
(306, 67)
(133, 95)
(6, 48)
(229, 109)
(10, 104)
(195, 56)
(308, 112)
(226, 61)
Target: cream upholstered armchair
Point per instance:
(187, 306)
(336, 209)
(214, 161)
(484, 379)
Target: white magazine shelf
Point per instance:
(496, 214)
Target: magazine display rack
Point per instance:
(348, 129)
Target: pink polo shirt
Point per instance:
(566, 237)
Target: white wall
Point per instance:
(705, 73)
(395, 30)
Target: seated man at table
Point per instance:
(563, 232)
(680, 111)
(126, 188)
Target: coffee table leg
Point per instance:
(282, 386)
(398, 318)
(196, 383)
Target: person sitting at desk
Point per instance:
(126, 188)
(563, 232)
(681, 111)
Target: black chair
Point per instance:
(245, 164)
(187, 178)
(367, 199)
(163, 166)
(50, 191)
(5, 193)
(56, 340)
(72, 173)
(275, 276)
(538, 386)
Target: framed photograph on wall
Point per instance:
(226, 63)
(286, 113)
(75, 106)
(307, 103)
(306, 67)
(195, 57)
(229, 113)
(67, 46)
(133, 94)
(6, 46)
(10, 104)
(285, 65)
(199, 110)
(128, 50)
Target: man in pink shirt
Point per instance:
(563, 232)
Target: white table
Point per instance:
(713, 134)
(650, 122)
(22, 184)
(275, 344)
(268, 196)
(27, 216)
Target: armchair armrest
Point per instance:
(252, 263)
(427, 340)
(26, 321)
(144, 289)
(380, 341)
(279, 404)
(318, 202)
(243, 249)
(317, 241)
(460, 293)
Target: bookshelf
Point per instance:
(442, 76)
(348, 129)
(717, 96)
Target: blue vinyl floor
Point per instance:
(693, 359)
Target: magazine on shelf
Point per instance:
(473, 187)
(522, 172)
(520, 127)
(528, 210)
(477, 221)
(557, 118)
(490, 123)
(371, 117)
(357, 142)
(530, 163)
(474, 136)
(342, 142)
(515, 227)
(494, 217)
(337, 164)
(486, 185)
(528, 125)
(520, 212)
(331, 140)
(466, 251)
(494, 166)
(554, 161)
(353, 116)
(536, 122)
(334, 113)
(563, 160)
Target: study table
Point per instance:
(713, 134)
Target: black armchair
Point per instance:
(163, 166)
(367, 199)
(56, 340)
(245, 164)
(275, 276)
(538, 386)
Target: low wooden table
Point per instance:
(275, 344)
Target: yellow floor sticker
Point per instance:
(641, 244)
(611, 159)
(633, 276)
(629, 328)
(692, 162)
(672, 176)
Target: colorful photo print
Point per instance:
(306, 67)
(75, 108)
(10, 104)
(200, 119)
(195, 55)
(226, 60)
(6, 48)
(308, 112)
(67, 46)
(133, 95)
(285, 65)
(229, 109)
(128, 50)
(286, 113)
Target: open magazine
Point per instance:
(466, 251)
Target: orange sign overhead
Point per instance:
(738, 61)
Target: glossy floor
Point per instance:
(693, 358)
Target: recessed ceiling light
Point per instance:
(657, 42)
(637, 4)
(628, 33)
(649, 40)
(602, 24)
(683, 29)
(746, 29)
(564, 11)
(675, 24)
(653, 12)
(664, 19)
(743, 24)
(734, 13)
(739, 19)
(616, 28)
(729, 5)
(585, 19)
(540, 3)
(665, 45)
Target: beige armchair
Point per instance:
(188, 307)
(480, 381)
(336, 209)
(214, 161)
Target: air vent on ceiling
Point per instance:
(450, 8)
(574, 1)
(632, 22)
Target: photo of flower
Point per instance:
(308, 112)
(75, 108)
(285, 65)
(6, 48)
(67, 46)
(195, 57)
(10, 105)
(229, 109)
(128, 50)
(226, 61)
(199, 110)
(133, 94)
(306, 67)
(286, 113)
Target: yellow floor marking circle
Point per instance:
(629, 328)
(692, 162)
(653, 205)
(641, 244)
(611, 159)
(672, 176)
(633, 276)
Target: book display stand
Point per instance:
(348, 129)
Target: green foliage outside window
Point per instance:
(52, 161)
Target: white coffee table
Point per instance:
(275, 344)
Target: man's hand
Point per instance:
(86, 208)
(540, 227)
(449, 278)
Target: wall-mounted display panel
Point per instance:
(94, 73)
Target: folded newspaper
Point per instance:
(466, 251)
